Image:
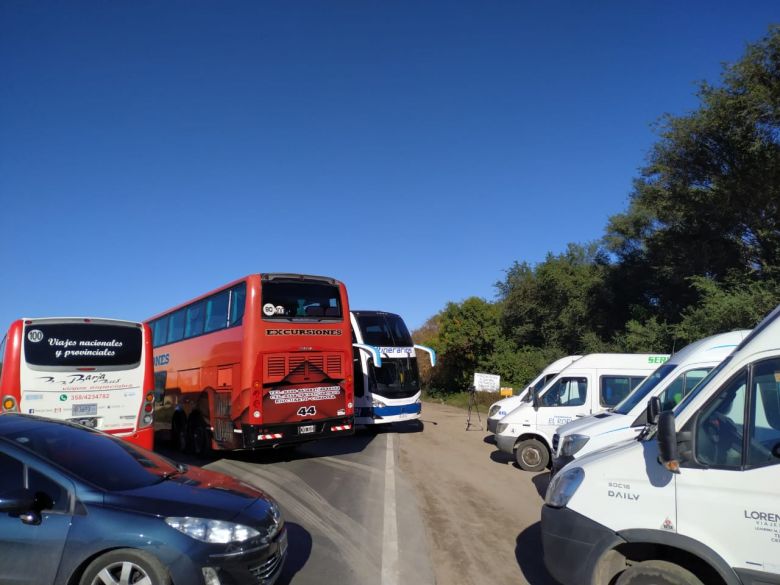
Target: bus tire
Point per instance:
(139, 565)
(532, 455)
(179, 432)
(200, 436)
(657, 573)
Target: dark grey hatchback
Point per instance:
(78, 507)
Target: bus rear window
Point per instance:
(300, 301)
(82, 345)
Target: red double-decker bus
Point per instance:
(263, 361)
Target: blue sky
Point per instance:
(152, 151)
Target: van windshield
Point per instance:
(641, 391)
(700, 386)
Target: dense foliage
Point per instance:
(696, 253)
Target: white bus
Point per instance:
(97, 372)
(387, 380)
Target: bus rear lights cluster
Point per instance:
(340, 427)
(269, 437)
(9, 404)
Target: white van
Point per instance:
(671, 382)
(695, 500)
(592, 384)
(501, 408)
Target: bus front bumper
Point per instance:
(387, 414)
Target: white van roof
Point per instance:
(639, 361)
(719, 346)
(560, 364)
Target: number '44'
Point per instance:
(307, 411)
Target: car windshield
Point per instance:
(641, 391)
(99, 459)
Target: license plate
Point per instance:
(305, 429)
(84, 410)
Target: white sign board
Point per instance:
(486, 382)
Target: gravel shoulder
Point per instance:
(481, 513)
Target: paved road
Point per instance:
(351, 515)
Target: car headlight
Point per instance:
(501, 427)
(563, 486)
(573, 443)
(214, 531)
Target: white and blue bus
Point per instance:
(387, 381)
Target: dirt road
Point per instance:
(481, 513)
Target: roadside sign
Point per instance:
(507, 392)
(486, 382)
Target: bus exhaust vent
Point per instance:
(276, 367)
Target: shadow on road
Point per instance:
(501, 457)
(490, 439)
(529, 555)
(541, 481)
(299, 551)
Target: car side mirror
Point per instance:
(653, 410)
(667, 442)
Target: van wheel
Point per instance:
(657, 573)
(179, 432)
(125, 566)
(532, 455)
(200, 437)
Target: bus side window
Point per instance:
(237, 302)
(196, 318)
(217, 311)
(160, 378)
(160, 332)
(176, 326)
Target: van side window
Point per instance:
(566, 392)
(720, 426)
(613, 389)
(764, 415)
(681, 387)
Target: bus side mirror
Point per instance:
(653, 410)
(667, 442)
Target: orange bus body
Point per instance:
(255, 381)
(128, 390)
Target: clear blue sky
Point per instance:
(151, 151)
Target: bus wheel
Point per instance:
(657, 573)
(200, 438)
(179, 432)
(532, 455)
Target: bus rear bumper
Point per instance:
(267, 436)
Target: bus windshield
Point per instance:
(384, 330)
(641, 391)
(294, 301)
(82, 344)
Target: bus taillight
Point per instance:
(9, 404)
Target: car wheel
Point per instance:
(532, 455)
(200, 437)
(179, 432)
(125, 566)
(657, 573)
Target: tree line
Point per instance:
(697, 251)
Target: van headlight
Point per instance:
(573, 443)
(213, 531)
(493, 410)
(563, 486)
(501, 427)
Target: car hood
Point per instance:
(198, 493)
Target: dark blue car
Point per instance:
(78, 507)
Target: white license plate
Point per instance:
(305, 429)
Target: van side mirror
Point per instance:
(535, 399)
(667, 442)
(653, 410)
